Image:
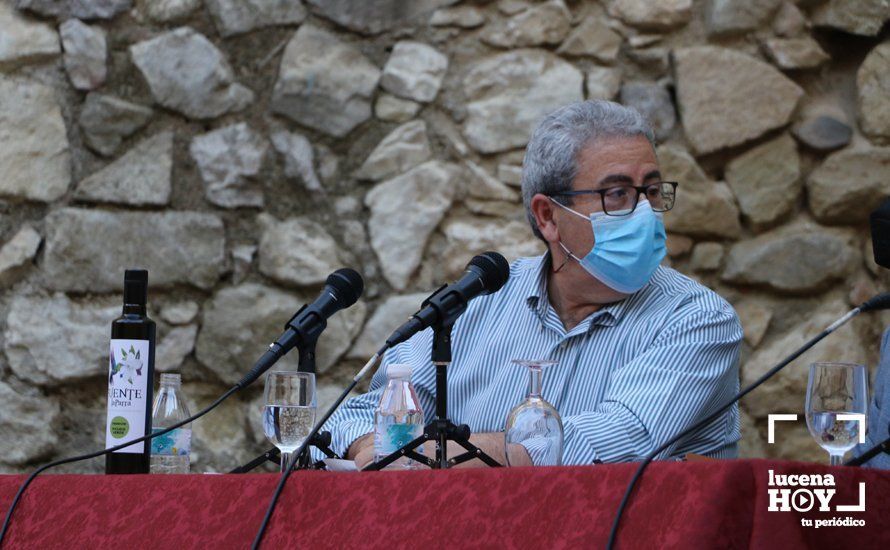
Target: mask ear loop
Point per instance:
(567, 252)
(563, 264)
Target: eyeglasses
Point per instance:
(621, 200)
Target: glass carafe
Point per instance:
(535, 424)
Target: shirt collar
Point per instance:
(535, 285)
(535, 290)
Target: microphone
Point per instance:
(342, 289)
(879, 302)
(879, 220)
(486, 273)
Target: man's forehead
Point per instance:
(614, 161)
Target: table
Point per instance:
(715, 504)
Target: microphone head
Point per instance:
(880, 233)
(881, 301)
(492, 268)
(347, 285)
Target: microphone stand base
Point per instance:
(441, 431)
(320, 441)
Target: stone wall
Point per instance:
(242, 149)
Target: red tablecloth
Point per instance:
(677, 505)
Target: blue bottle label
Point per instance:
(177, 442)
(399, 435)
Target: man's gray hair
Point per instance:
(551, 157)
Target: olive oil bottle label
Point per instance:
(127, 394)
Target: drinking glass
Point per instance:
(535, 422)
(289, 412)
(833, 389)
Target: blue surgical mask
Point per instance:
(626, 249)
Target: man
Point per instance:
(642, 352)
(878, 425)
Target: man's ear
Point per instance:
(544, 211)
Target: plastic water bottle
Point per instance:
(170, 452)
(399, 418)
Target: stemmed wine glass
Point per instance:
(289, 412)
(535, 422)
(835, 389)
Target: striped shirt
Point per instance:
(627, 378)
(879, 410)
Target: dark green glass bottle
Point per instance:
(130, 379)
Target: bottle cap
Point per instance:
(171, 379)
(135, 286)
(398, 370)
(136, 276)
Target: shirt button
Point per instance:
(563, 345)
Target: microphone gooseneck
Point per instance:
(881, 301)
(485, 274)
(342, 289)
(882, 447)
(296, 454)
(18, 496)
